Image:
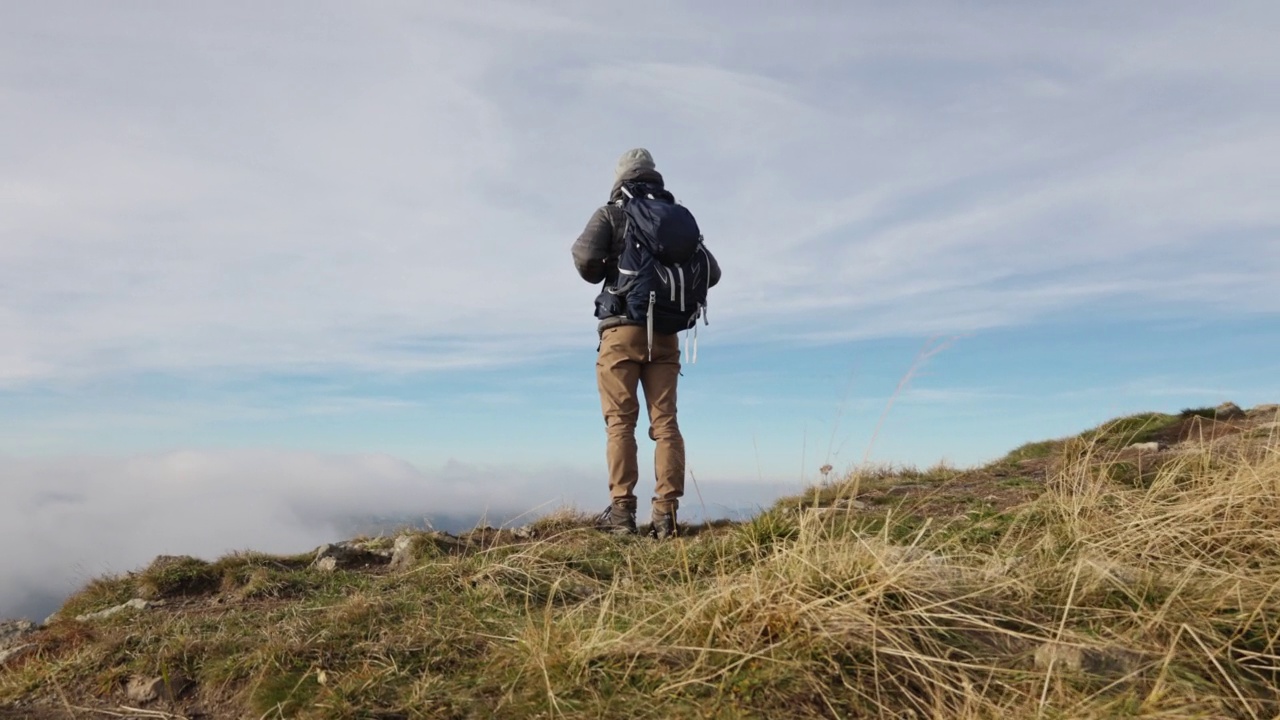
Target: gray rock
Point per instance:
(15, 652)
(1145, 447)
(134, 604)
(576, 592)
(375, 546)
(347, 555)
(145, 690)
(13, 631)
(1058, 656)
(402, 553)
(1110, 661)
(841, 505)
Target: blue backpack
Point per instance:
(663, 272)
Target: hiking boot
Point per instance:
(664, 524)
(617, 519)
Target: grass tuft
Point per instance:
(169, 576)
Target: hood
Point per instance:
(636, 174)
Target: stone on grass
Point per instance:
(15, 652)
(347, 555)
(167, 688)
(1111, 661)
(134, 604)
(841, 505)
(402, 553)
(11, 631)
(1058, 656)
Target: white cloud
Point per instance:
(333, 186)
(76, 518)
(69, 519)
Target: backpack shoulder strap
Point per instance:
(630, 190)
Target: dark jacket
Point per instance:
(597, 249)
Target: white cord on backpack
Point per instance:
(653, 299)
(691, 353)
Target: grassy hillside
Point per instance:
(1074, 578)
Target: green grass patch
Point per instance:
(175, 576)
(285, 693)
(100, 594)
(1031, 451)
(1139, 428)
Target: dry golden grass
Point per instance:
(1119, 591)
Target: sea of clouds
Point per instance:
(66, 520)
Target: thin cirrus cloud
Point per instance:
(261, 196)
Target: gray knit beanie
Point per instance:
(631, 160)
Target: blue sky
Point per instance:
(312, 258)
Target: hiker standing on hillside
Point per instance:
(648, 252)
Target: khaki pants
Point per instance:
(623, 363)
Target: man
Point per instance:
(626, 360)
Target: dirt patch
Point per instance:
(1196, 429)
(957, 496)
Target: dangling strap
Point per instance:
(691, 345)
(653, 299)
(692, 358)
